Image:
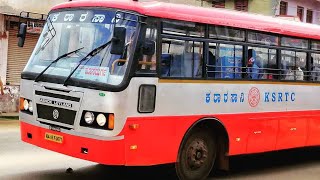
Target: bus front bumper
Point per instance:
(99, 151)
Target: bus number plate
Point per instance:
(53, 137)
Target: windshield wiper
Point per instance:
(56, 60)
(92, 54)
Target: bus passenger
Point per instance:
(288, 73)
(315, 71)
(299, 74)
(252, 67)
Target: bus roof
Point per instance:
(206, 15)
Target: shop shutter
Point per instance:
(17, 56)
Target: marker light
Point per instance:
(25, 104)
(111, 121)
(101, 119)
(89, 117)
(30, 106)
(21, 104)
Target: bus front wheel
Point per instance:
(196, 155)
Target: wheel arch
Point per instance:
(219, 132)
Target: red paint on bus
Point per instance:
(157, 139)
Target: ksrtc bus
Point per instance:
(147, 83)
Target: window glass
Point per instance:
(294, 42)
(261, 63)
(262, 38)
(229, 62)
(84, 30)
(283, 8)
(147, 63)
(315, 45)
(181, 58)
(293, 65)
(241, 5)
(183, 28)
(226, 33)
(309, 16)
(211, 60)
(315, 67)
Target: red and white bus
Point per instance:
(146, 83)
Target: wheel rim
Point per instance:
(197, 154)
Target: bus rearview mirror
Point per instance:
(118, 41)
(22, 34)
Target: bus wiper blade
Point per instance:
(56, 60)
(92, 54)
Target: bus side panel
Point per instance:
(250, 132)
(292, 131)
(314, 130)
(156, 140)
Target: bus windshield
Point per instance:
(67, 31)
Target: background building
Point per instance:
(12, 58)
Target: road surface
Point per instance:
(19, 160)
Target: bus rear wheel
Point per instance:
(196, 155)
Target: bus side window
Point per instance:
(181, 58)
(315, 67)
(165, 64)
(293, 65)
(262, 63)
(147, 63)
(229, 61)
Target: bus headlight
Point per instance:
(101, 120)
(89, 117)
(25, 104)
(30, 107)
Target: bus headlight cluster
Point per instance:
(89, 117)
(97, 120)
(101, 119)
(26, 105)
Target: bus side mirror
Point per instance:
(22, 34)
(149, 48)
(118, 41)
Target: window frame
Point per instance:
(241, 5)
(300, 13)
(219, 3)
(283, 10)
(309, 16)
(206, 40)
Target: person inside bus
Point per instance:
(211, 62)
(252, 65)
(299, 74)
(287, 71)
(315, 71)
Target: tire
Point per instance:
(197, 155)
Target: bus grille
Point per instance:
(56, 114)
